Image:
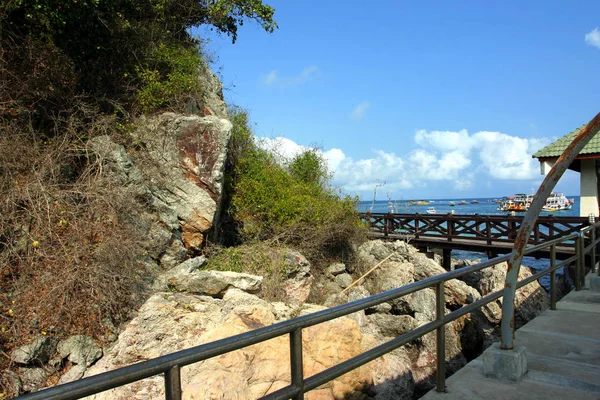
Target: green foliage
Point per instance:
(293, 205)
(309, 167)
(126, 52)
(173, 76)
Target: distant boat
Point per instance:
(518, 202)
(451, 204)
(462, 203)
(431, 210)
(474, 202)
(557, 202)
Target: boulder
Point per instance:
(458, 293)
(298, 282)
(393, 325)
(75, 372)
(214, 283)
(530, 300)
(374, 251)
(32, 379)
(391, 275)
(424, 267)
(343, 280)
(335, 269)
(39, 351)
(11, 384)
(423, 358)
(396, 382)
(168, 322)
(357, 292)
(423, 305)
(80, 349)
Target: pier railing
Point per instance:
(586, 242)
(483, 228)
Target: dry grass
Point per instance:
(68, 261)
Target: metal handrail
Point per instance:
(170, 364)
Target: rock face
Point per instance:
(529, 300)
(177, 173)
(174, 321)
(188, 153)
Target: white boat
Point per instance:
(431, 210)
(557, 202)
(452, 204)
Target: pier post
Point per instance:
(447, 259)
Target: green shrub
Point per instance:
(287, 202)
(170, 76)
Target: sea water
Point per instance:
(483, 206)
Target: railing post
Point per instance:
(297, 370)
(579, 263)
(553, 278)
(386, 225)
(173, 383)
(417, 226)
(593, 233)
(595, 250)
(440, 338)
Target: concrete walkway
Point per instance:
(563, 358)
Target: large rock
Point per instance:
(425, 267)
(298, 280)
(32, 379)
(530, 300)
(188, 154)
(188, 278)
(39, 351)
(80, 349)
(391, 275)
(373, 251)
(168, 322)
(393, 325)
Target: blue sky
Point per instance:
(444, 99)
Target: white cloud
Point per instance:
(271, 78)
(444, 140)
(274, 79)
(593, 38)
(457, 158)
(506, 157)
(360, 111)
(283, 147)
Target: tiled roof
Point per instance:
(556, 149)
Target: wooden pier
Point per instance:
(490, 234)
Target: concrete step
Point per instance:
(470, 384)
(563, 357)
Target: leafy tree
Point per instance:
(108, 50)
(309, 167)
